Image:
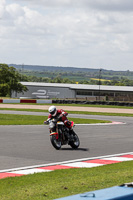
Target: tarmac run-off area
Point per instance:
(70, 108)
(87, 163)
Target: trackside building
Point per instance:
(75, 91)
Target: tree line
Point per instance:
(116, 81)
(10, 80)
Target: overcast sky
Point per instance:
(75, 33)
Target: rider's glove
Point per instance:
(55, 120)
(46, 122)
(64, 113)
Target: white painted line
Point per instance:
(83, 164)
(30, 171)
(65, 162)
(101, 124)
(119, 159)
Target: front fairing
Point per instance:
(56, 135)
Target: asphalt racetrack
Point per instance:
(22, 146)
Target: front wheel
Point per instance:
(56, 143)
(75, 142)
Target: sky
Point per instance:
(68, 33)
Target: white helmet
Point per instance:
(52, 110)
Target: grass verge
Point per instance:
(61, 183)
(73, 112)
(9, 119)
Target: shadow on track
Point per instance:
(70, 149)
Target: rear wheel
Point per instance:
(56, 143)
(75, 142)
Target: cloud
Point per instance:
(2, 5)
(111, 5)
(14, 10)
(65, 32)
(49, 3)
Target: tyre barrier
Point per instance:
(123, 192)
(115, 103)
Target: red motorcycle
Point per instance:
(60, 135)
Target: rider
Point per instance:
(59, 115)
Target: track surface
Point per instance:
(22, 146)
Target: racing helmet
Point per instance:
(52, 110)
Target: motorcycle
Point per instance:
(60, 135)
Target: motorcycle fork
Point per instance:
(61, 135)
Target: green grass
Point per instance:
(73, 112)
(61, 183)
(101, 113)
(13, 119)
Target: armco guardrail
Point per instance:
(124, 192)
(25, 101)
(66, 101)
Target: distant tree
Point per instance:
(4, 88)
(114, 82)
(83, 82)
(65, 80)
(10, 80)
(57, 79)
(107, 83)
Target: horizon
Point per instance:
(70, 67)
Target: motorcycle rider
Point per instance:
(59, 115)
